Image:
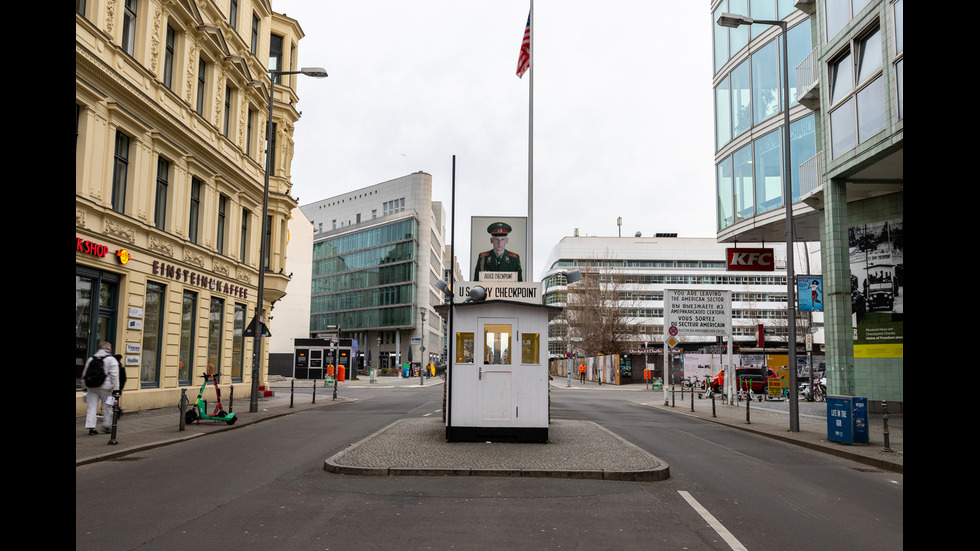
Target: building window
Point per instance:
(215, 319)
(80, 6)
(129, 27)
(857, 94)
(268, 243)
(227, 121)
(270, 151)
(219, 238)
(168, 58)
(120, 172)
(202, 67)
(275, 56)
(195, 210)
(243, 247)
(839, 12)
(163, 182)
(254, 49)
(238, 343)
(188, 320)
(153, 312)
(233, 13)
(248, 131)
(900, 55)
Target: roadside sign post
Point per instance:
(695, 313)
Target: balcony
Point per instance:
(808, 82)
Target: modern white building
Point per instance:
(291, 318)
(377, 253)
(647, 266)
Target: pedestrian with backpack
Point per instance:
(101, 377)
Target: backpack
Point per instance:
(122, 372)
(95, 372)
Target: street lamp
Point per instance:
(259, 328)
(732, 20)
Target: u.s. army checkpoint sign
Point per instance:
(697, 313)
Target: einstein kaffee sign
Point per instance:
(697, 313)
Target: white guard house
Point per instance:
(497, 387)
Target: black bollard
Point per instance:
(673, 396)
(692, 400)
(713, 413)
(748, 402)
(292, 389)
(231, 398)
(116, 394)
(182, 407)
(314, 390)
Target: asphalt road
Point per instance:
(263, 487)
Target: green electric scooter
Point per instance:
(200, 409)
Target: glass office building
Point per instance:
(846, 72)
(377, 253)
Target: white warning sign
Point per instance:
(701, 313)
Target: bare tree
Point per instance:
(599, 313)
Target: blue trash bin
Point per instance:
(847, 419)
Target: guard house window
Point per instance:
(857, 93)
(202, 67)
(153, 324)
(220, 237)
(129, 27)
(275, 56)
(529, 349)
(163, 182)
(195, 210)
(120, 172)
(497, 344)
(168, 58)
(188, 320)
(464, 348)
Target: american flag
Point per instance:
(524, 60)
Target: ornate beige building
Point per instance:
(171, 103)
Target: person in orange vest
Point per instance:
(581, 373)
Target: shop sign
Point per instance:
(750, 260)
(90, 247)
(176, 273)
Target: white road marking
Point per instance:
(713, 522)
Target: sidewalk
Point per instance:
(143, 430)
(771, 419)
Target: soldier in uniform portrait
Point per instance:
(499, 259)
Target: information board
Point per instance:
(697, 312)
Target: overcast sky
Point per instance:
(622, 110)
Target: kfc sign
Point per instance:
(750, 260)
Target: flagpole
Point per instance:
(529, 273)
